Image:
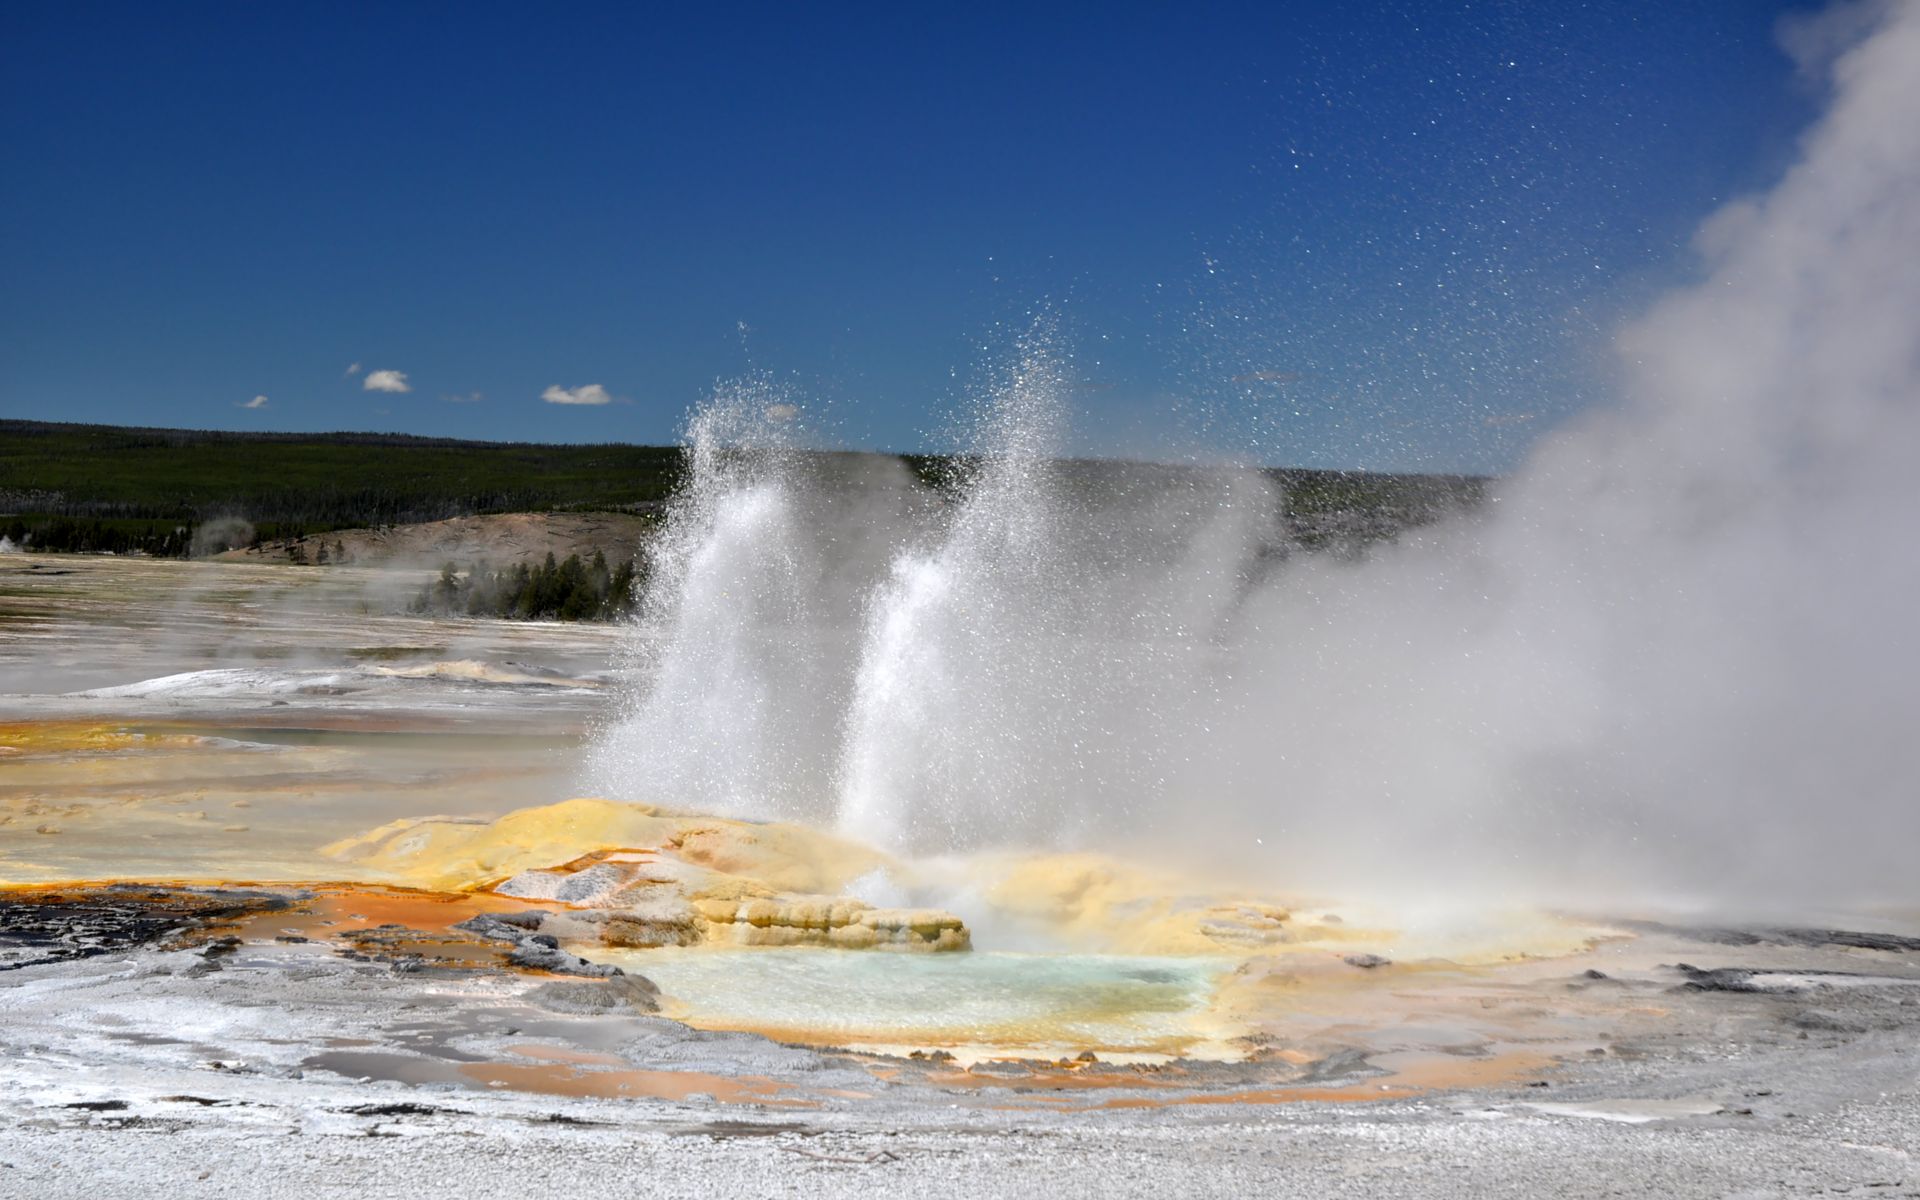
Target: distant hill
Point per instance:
(309, 481)
(172, 491)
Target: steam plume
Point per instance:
(1674, 658)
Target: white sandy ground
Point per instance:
(1834, 1111)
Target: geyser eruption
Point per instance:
(1024, 665)
(1675, 656)
(824, 639)
(971, 614)
(743, 640)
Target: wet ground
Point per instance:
(295, 1065)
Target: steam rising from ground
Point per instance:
(1676, 657)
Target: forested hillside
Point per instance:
(98, 487)
(177, 492)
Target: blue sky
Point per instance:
(1388, 235)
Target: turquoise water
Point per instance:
(984, 1000)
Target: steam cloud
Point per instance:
(1675, 658)
(220, 534)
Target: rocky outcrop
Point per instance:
(619, 995)
(530, 950)
(41, 925)
(674, 880)
(645, 899)
(837, 922)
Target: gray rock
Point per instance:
(1342, 1064)
(546, 958)
(491, 927)
(1719, 979)
(1825, 1020)
(620, 993)
(534, 951)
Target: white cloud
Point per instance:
(591, 393)
(353, 369)
(386, 381)
(782, 412)
(469, 398)
(256, 402)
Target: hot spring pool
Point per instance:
(978, 1001)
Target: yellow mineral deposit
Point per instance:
(454, 853)
(656, 877)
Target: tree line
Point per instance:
(68, 535)
(302, 484)
(569, 590)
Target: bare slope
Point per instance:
(501, 539)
